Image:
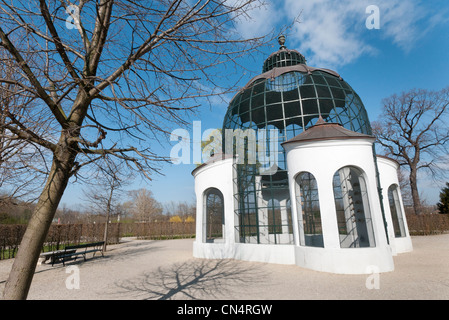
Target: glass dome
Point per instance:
(283, 58)
(289, 97)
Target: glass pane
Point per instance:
(308, 204)
(274, 217)
(396, 211)
(353, 209)
(214, 215)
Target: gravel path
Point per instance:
(139, 269)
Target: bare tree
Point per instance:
(179, 208)
(104, 195)
(171, 208)
(404, 185)
(106, 78)
(145, 207)
(412, 129)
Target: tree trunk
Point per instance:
(415, 193)
(108, 214)
(22, 272)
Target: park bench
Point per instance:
(73, 252)
(52, 256)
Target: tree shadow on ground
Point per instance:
(131, 251)
(194, 279)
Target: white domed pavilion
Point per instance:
(298, 180)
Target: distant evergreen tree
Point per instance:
(443, 205)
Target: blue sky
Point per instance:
(409, 50)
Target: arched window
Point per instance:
(396, 211)
(308, 206)
(353, 209)
(214, 215)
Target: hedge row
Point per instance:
(427, 224)
(61, 235)
(58, 236)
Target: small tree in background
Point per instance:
(443, 205)
(104, 195)
(145, 208)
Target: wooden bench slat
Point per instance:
(71, 253)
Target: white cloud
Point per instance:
(333, 33)
(258, 20)
(400, 22)
(327, 32)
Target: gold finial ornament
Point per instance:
(281, 41)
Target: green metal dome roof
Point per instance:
(283, 58)
(292, 98)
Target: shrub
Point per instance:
(427, 224)
(443, 205)
(175, 219)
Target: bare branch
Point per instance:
(58, 112)
(413, 129)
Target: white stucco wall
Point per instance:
(219, 175)
(215, 175)
(388, 176)
(323, 159)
